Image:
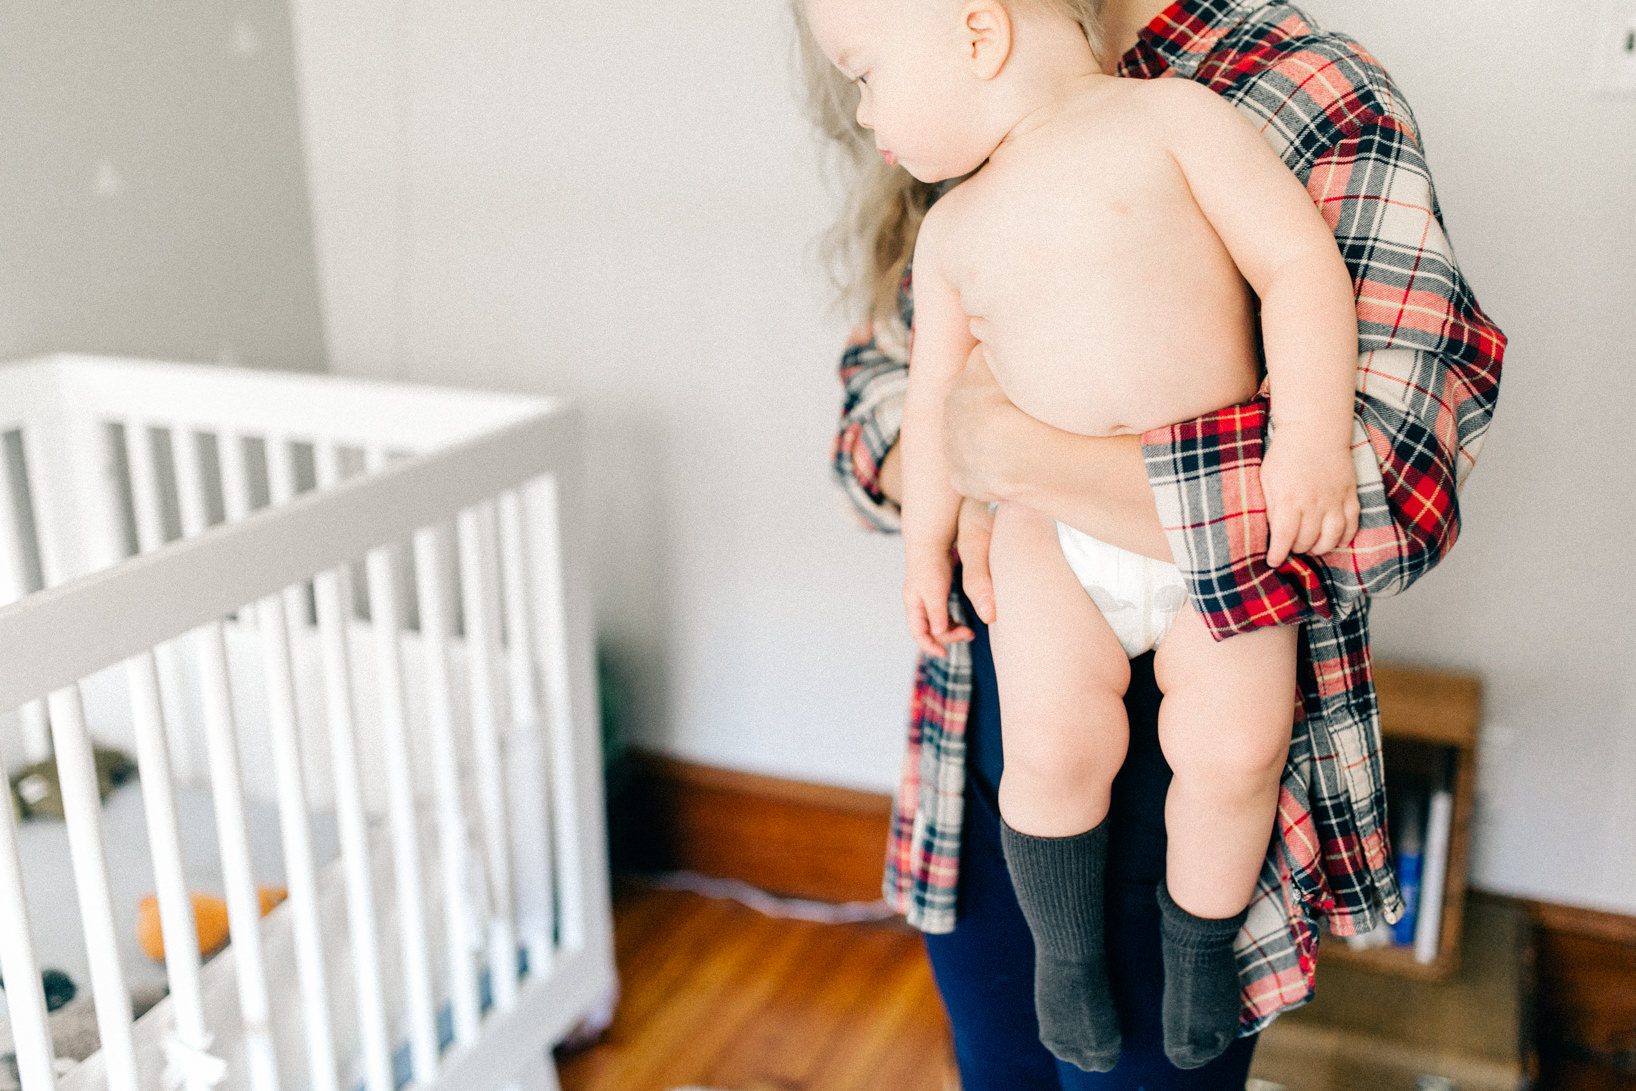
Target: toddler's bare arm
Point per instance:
(1287, 253)
(938, 349)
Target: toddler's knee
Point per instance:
(1228, 755)
(1071, 771)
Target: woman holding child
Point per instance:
(1189, 494)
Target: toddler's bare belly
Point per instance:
(1106, 300)
(1123, 362)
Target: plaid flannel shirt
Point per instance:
(1427, 383)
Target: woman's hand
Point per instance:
(995, 451)
(976, 530)
(983, 432)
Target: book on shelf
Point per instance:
(1434, 869)
(1408, 839)
(1420, 814)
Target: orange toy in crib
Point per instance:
(209, 917)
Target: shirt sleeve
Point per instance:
(874, 378)
(1427, 382)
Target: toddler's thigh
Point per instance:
(1227, 703)
(1052, 647)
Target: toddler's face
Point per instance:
(905, 56)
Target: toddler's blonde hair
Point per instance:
(868, 247)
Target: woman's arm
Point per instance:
(874, 372)
(1096, 484)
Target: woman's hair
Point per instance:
(868, 247)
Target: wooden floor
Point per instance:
(718, 995)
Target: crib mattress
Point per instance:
(53, 903)
(219, 980)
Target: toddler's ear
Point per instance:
(986, 34)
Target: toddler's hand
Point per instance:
(926, 585)
(1312, 497)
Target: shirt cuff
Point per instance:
(1206, 479)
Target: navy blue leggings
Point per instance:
(985, 968)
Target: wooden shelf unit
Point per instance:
(1425, 713)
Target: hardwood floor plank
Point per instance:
(700, 1014)
(642, 910)
(779, 1048)
(656, 970)
(717, 994)
(753, 1004)
(873, 1030)
(838, 991)
(924, 1056)
(811, 1013)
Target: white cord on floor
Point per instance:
(771, 905)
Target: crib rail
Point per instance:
(298, 405)
(492, 827)
(187, 582)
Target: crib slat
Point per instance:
(145, 502)
(25, 999)
(190, 481)
(53, 551)
(150, 535)
(82, 806)
(13, 576)
(378, 457)
(190, 497)
(551, 636)
(296, 831)
(451, 825)
(243, 904)
(176, 923)
(281, 490)
(531, 795)
(235, 475)
(556, 511)
(478, 588)
(366, 968)
(13, 586)
(410, 889)
(235, 491)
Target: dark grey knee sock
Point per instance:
(1059, 887)
(1201, 992)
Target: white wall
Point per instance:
(155, 197)
(622, 207)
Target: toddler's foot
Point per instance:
(1059, 887)
(1078, 1022)
(1201, 991)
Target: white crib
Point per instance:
(340, 618)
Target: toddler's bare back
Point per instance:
(1106, 300)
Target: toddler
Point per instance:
(1106, 252)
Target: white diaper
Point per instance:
(1138, 595)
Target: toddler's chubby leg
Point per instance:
(1062, 677)
(1224, 725)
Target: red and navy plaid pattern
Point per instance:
(1428, 379)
